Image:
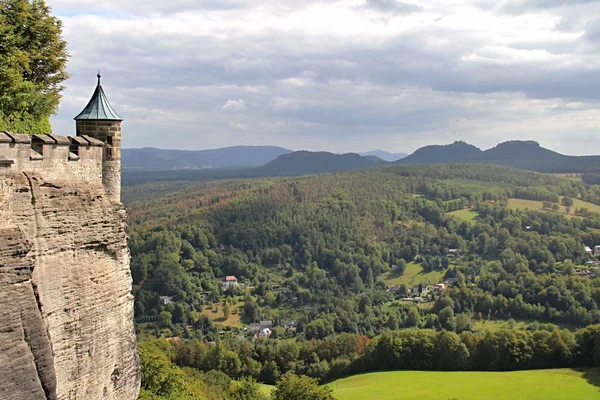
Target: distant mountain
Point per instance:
(291, 164)
(384, 155)
(308, 162)
(151, 159)
(455, 152)
(518, 154)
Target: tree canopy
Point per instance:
(33, 59)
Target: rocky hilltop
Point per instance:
(66, 320)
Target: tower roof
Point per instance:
(98, 107)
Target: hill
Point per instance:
(151, 159)
(456, 152)
(291, 164)
(307, 162)
(518, 154)
(384, 155)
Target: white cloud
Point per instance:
(234, 106)
(338, 75)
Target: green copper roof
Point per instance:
(99, 107)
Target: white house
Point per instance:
(228, 282)
(164, 300)
(265, 333)
(588, 250)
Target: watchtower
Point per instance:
(100, 121)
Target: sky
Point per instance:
(338, 75)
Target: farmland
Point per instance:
(561, 384)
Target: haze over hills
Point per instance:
(518, 154)
(527, 155)
(290, 164)
(152, 159)
(384, 155)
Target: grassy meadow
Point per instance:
(413, 275)
(560, 384)
(467, 214)
(537, 205)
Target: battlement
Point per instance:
(51, 156)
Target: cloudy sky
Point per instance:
(338, 75)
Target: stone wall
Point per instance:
(51, 156)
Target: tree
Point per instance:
(294, 387)
(246, 388)
(33, 61)
(226, 310)
(567, 201)
(166, 319)
(401, 266)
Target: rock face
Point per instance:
(66, 311)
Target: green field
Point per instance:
(465, 215)
(537, 205)
(560, 384)
(413, 276)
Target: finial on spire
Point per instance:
(99, 76)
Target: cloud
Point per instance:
(234, 106)
(392, 6)
(328, 75)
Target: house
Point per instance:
(291, 326)
(164, 300)
(597, 250)
(589, 250)
(420, 289)
(254, 328)
(266, 324)
(394, 267)
(440, 287)
(228, 282)
(265, 333)
(452, 253)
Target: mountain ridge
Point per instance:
(522, 154)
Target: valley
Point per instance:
(425, 267)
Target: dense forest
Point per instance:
(324, 259)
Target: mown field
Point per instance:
(465, 215)
(413, 275)
(560, 384)
(537, 205)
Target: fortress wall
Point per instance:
(51, 156)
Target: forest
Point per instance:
(323, 259)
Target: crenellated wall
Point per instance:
(76, 158)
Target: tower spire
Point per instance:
(99, 76)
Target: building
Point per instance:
(589, 250)
(265, 333)
(228, 282)
(440, 287)
(597, 250)
(452, 253)
(164, 300)
(100, 121)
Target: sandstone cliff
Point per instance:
(66, 312)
